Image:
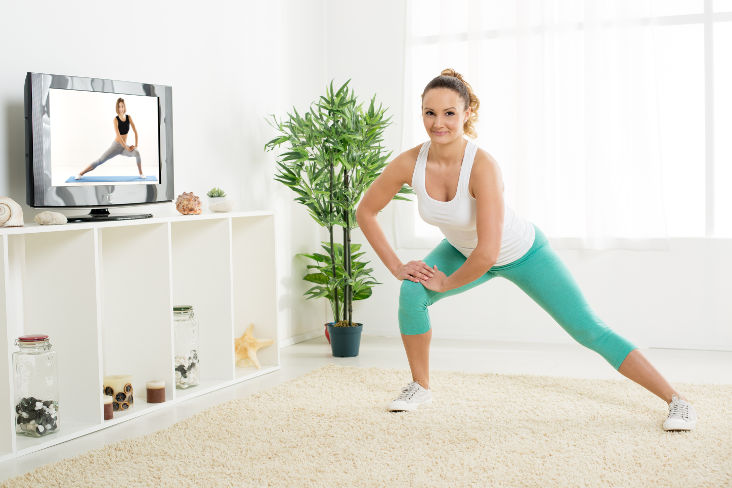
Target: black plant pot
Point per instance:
(345, 341)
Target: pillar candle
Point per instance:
(108, 407)
(155, 391)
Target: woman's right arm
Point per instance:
(378, 195)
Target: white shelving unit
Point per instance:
(104, 293)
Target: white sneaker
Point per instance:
(681, 415)
(78, 177)
(142, 176)
(411, 397)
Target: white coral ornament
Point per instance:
(11, 215)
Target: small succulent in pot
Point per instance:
(217, 201)
(216, 192)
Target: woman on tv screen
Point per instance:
(122, 123)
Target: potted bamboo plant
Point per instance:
(333, 153)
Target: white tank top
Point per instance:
(456, 218)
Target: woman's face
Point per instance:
(121, 108)
(443, 115)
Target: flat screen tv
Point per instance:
(97, 143)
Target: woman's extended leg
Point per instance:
(637, 368)
(84, 171)
(543, 276)
(113, 150)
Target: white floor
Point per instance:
(678, 366)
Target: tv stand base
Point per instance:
(102, 214)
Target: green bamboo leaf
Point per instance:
(362, 294)
(319, 278)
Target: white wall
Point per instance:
(269, 56)
(678, 298)
(230, 64)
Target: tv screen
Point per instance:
(89, 133)
(93, 142)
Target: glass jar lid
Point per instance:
(33, 342)
(183, 312)
(33, 339)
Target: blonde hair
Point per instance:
(449, 78)
(116, 107)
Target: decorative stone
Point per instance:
(186, 370)
(11, 215)
(247, 346)
(188, 204)
(36, 417)
(50, 218)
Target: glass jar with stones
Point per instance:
(186, 346)
(36, 386)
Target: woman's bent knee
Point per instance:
(413, 295)
(413, 301)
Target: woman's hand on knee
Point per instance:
(437, 282)
(417, 271)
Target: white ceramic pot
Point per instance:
(219, 204)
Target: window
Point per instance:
(609, 119)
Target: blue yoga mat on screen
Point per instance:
(98, 179)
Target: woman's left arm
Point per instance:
(488, 189)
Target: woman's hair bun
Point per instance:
(452, 72)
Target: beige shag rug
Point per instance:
(330, 428)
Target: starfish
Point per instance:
(246, 346)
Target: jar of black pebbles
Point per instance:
(36, 386)
(186, 346)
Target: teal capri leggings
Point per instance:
(541, 275)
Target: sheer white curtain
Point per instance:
(568, 109)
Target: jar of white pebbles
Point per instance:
(36, 386)
(186, 346)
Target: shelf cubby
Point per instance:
(136, 305)
(201, 252)
(56, 272)
(255, 285)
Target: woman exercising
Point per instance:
(122, 123)
(459, 189)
